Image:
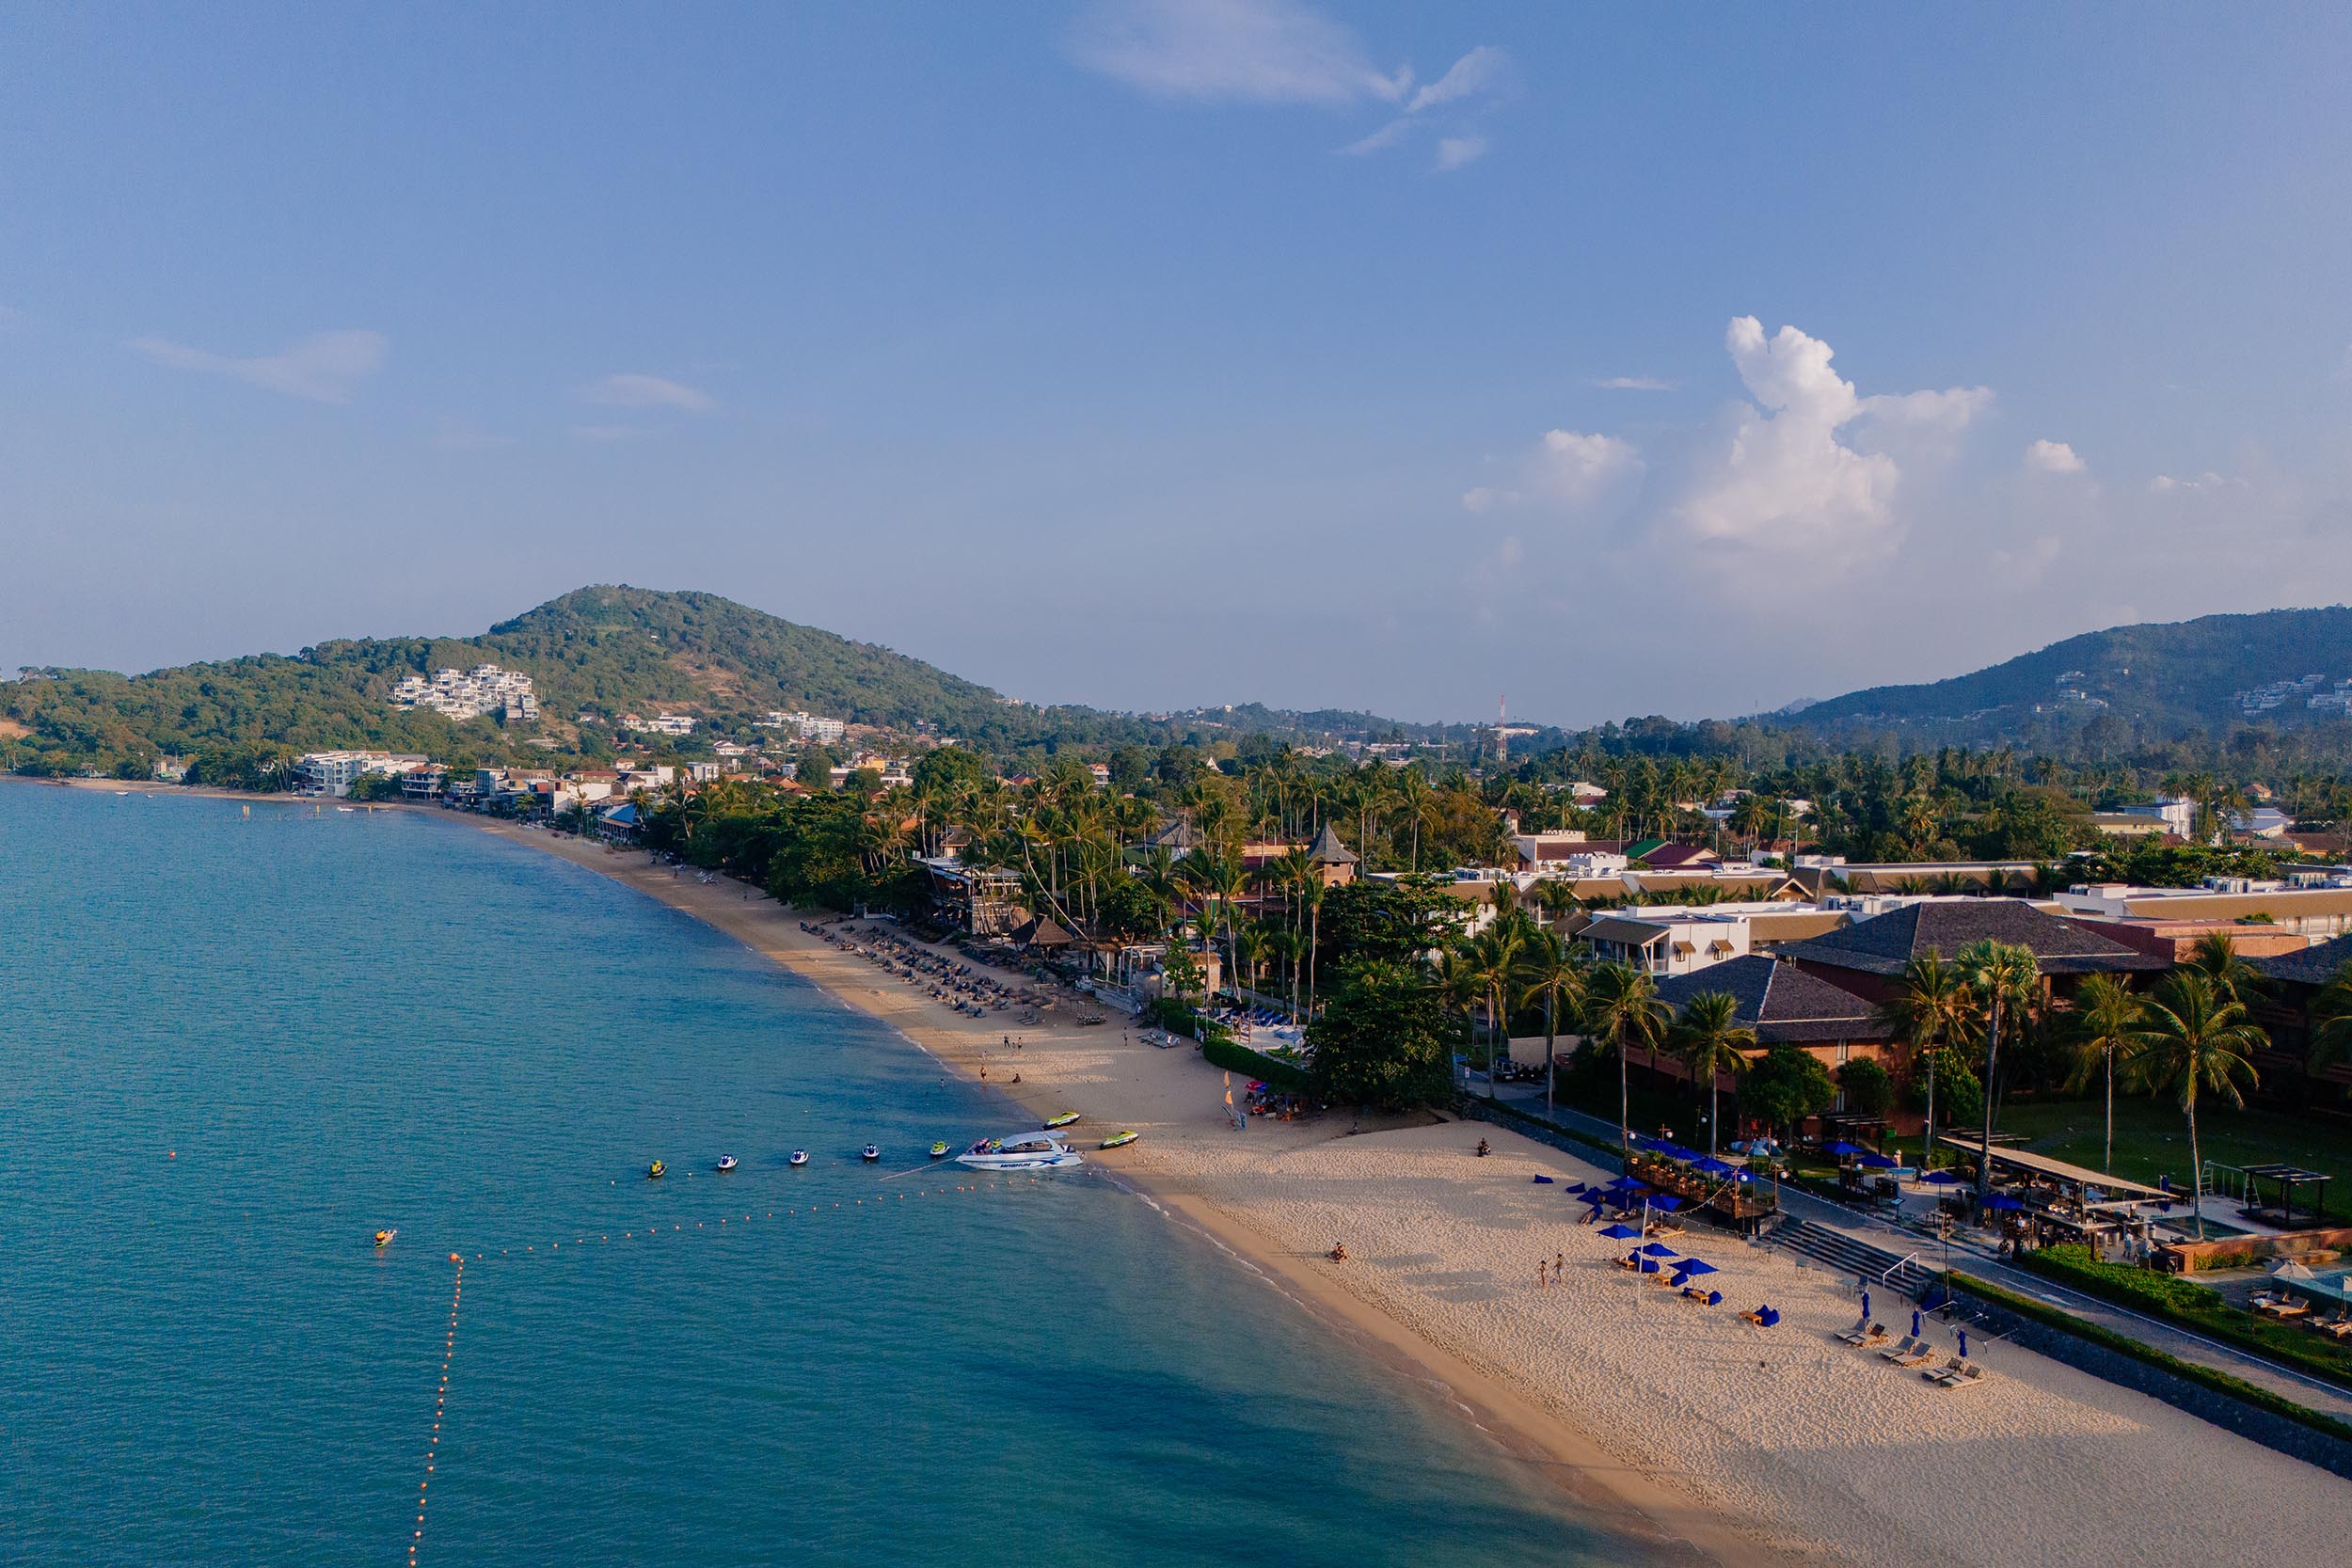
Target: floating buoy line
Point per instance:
(533, 1250)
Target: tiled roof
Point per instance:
(1780, 1002)
(1884, 943)
(2313, 966)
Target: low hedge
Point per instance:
(2174, 1300)
(1287, 1076)
(2123, 1344)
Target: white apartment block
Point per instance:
(470, 693)
(335, 772)
(660, 723)
(807, 726)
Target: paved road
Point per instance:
(1980, 1259)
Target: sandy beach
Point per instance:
(1751, 1446)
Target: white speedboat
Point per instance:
(800, 1158)
(1043, 1150)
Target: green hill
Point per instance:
(602, 651)
(2177, 678)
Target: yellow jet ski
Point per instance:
(1062, 1120)
(654, 1172)
(1120, 1140)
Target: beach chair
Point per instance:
(1901, 1347)
(1763, 1316)
(1967, 1377)
(2336, 1327)
(1919, 1355)
(1705, 1298)
(1864, 1334)
(1950, 1369)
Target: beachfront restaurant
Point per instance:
(2050, 1200)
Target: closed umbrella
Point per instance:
(1915, 1323)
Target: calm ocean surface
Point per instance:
(342, 1022)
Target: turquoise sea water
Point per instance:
(232, 1048)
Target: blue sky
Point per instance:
(1619, 359)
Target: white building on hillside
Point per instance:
(470, 693)
(334, 772)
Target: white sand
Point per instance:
(1754, 1444)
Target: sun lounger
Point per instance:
(1860, 1334)
(2340, 1328)
(1919, 1355)
(1967, 1374)
(1950, 1369)
(1901, 1347)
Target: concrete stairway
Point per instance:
(1851, 1256)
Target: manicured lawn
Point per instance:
(2152, 1139)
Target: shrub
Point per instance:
(1231, 1054)
(2175, 1300)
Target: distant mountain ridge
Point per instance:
(2170, 676)
(605, 650)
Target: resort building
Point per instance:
(1668, 942)
(1868, 956)
(506, 694)
(2306, 905)
(807, 726)
(334, 772)
(1784, 1005)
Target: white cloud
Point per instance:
(2206, 481)
(1568, 468)
(647, 391)
(1455, 152)
(1280, 52)
(1484, 68)
(326, 367)
(2053, 458)
(1634, 384)
(1783, 481)
(1252, 51)
(608, 435)
(1944, 413)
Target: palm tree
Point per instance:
(1933, 1008)
(1553, 972)
(1493, 954)
(2332, 1020)
(2215, 957)
(2195, 1041)
(1710, 1037)
(1311, 900)
(2003, 974)
(1621, 1006)
(2105, 1015)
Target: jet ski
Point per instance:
(1062, 1120)
(384, 1237)
(939, 1150)
(655, 1171)
(1120, 1140)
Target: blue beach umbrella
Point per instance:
(2004, 1202)
(1841, 1148)
(1941, 1178)
(1620, 1232)
(1594, 1198)
(1666, 1201)
(1915, 1323)
(1712, 1166)
(1878, 1161)
(1658, 1249)
(1694, 1265)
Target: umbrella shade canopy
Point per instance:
(1694, 1265)
(1595, 1198)
(1841, 1148)
(1666, 1201)
(2290, 1269)
(2005, 1201)
(1941, 1178)
(1878, 1161)
(1712, 1166)
(1658, 1249)
(1620, 1232)
(1625, 1184)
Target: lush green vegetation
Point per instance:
(1231, 1054)
(2171, 1299)
(2193, 1372)
(2152, 1139)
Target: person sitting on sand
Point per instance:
(1483, 1149)
(1339, 1252)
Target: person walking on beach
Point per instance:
(1559, 1264)
(1543, 1275)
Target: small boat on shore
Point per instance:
(800, 1158)
(384, 1237)
(1120, 1140)
(869, 1153)
(727, 1161)
(939, 1150)
(656, 1171)
(1062, 1120)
